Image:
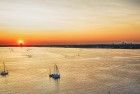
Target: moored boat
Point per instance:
(4, 71)
(55, 74)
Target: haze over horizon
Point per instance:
(69, 21)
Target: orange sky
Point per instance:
(69, 21)
(98, 35)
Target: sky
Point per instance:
(69, 21)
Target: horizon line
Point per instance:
(113, 46)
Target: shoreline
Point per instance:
(110, 46)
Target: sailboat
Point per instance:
(4, 72)
(29, 55)
(55, 74)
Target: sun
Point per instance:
(20, 42)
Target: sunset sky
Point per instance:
(69, 21)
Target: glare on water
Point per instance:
(83, 71)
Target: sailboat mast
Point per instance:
(3, 66)
(56, 69)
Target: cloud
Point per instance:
(67, 13)
(132, 3)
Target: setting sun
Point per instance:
(20, 42)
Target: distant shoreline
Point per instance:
(113, 46)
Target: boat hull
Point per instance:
(55, 76)
(3, 73)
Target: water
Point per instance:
(83, 71)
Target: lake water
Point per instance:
(83, 71)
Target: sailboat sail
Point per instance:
(56, 70)
(4, 69)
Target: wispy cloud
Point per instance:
(67, 13)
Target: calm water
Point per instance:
(83, 71)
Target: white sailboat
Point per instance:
(55, 74)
